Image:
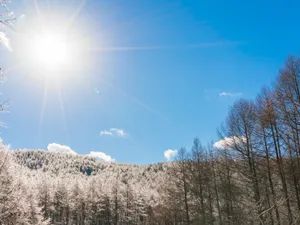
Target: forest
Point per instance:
(250, 176)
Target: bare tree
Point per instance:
(241, 127)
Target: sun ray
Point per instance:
(62, 107)
(43, 107)
(136, 100)
(37, 8)
(39, 15)
(75, 14)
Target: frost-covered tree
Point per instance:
(17, 205)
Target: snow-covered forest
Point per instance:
(68, 189)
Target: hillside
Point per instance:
(91, 181)
(145, 179)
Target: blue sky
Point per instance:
(152, 76)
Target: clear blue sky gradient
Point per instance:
(160, 77)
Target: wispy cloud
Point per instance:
(215, 44)
(161, 47)
(170, 154)
(114, 132)
(230, 94)
(97, 91)
(58, 148)
(119, 132)
(105, 132)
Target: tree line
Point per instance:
(251, 176)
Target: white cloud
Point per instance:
(170, 154)
(227, 94)
(101, 156)
(4, 40)
(114, 132)
(66, 149)
(60, 148)
(4, 147)
(118, 132)
(229, 142)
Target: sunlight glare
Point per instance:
(47, 48)
(50, 50)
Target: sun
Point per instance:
(50, 50)
(46, 48)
